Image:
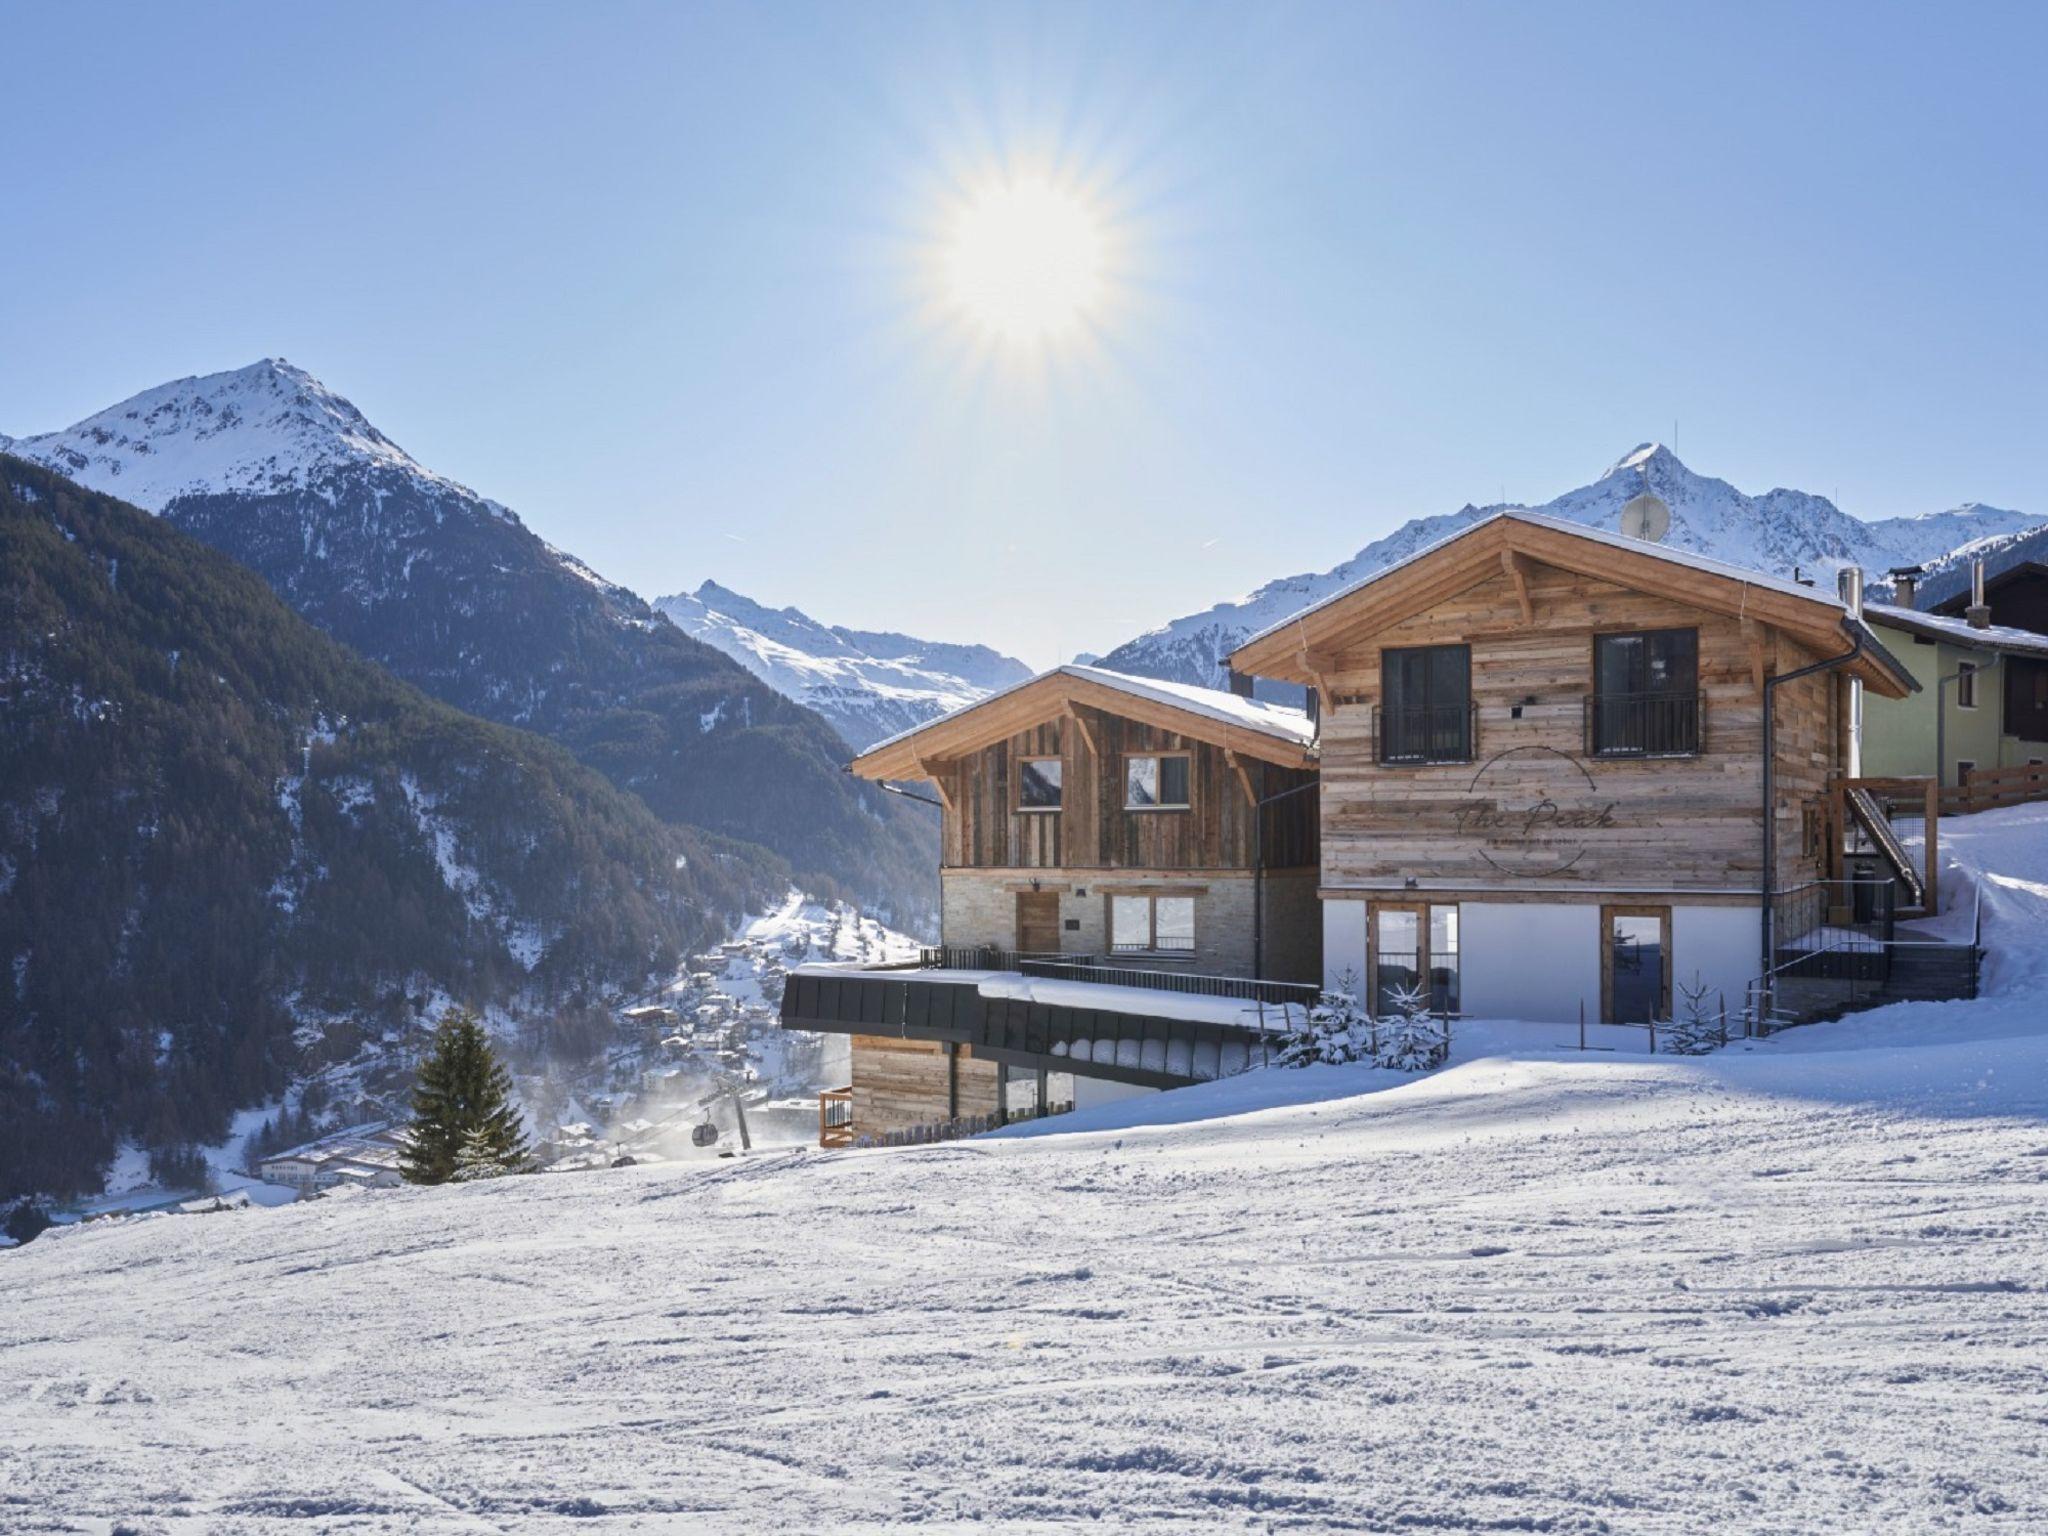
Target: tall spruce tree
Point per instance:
(462, 1107)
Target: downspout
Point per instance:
(1771, 685)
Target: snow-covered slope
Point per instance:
(266, 428)
(1776, 531)
(1793, 1289)
(1949, 576)
(869, 684)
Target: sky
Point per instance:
(669, 280)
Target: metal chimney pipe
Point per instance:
(1849, 582)
(1979, 611)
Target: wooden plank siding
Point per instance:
(899, 1083)
(1666, 823)
(984, 829)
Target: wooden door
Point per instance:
(1038, 922)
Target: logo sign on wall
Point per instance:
(1539, 812)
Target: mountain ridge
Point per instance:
(452, 592)
(868, 683)
(1778, 531)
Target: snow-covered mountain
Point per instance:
(1949, 575)
(869, 684)
(449, 590)
(264, 429)
(1777, 531)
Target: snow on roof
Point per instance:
(1666, 552)
(1995, 637)
(1275, 720)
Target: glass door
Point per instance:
(1636, 964)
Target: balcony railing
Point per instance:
(835, 1117)
(1644, 724)
(1071, 967)
(1437, 733)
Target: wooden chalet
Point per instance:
(1565, 773)
(1099, 831)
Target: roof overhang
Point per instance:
(1308, 645)
(1050, 696)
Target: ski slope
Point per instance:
(1796, 1286)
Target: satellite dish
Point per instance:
(1646, 517)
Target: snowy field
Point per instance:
(1799, 1286)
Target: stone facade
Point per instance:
(980, 907)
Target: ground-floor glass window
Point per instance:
(1414, 944)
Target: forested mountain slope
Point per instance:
(453, 593)
(231, 849)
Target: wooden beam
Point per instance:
(1084, 730)
(937, 774)
(1758, 637)
(1243, 777)
(1516, 565)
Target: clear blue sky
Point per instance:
(656, 275)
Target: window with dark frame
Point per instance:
(1425, 713)
(1966, 685)
(1149, 924)
(1646, 694)
(1039, 783)
(1157, 782)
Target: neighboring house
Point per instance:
(1545, 757)
(1127, 867)
(1090, 813)
(1981, 658)
(366, 1156)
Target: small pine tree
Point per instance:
(1412, 1039)
(463, 1096)
(1336, 1030)
(1695, 1031)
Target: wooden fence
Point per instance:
(1986, 788)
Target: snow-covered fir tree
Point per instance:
(1411, 1038)
(1697, 1028)
(1336, 1030)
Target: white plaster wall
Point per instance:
(1529, 960)
(1721, 945)
(1344, 944)
(1091, 1091)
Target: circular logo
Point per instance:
(1533, 811)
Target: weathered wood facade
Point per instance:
(1532, 808)
(987, 827)
(1518, 854)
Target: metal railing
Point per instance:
(1071, 967)
(1644, 724)
(1438, 733)
(1241, 988)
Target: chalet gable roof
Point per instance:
(1268, 732)
(1512, 538)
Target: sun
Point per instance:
(1023, 260)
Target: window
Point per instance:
(1038, 783)
(1646, 699)
(1964, 768)
(1152, 924)
(1966, 685)
(1156, 783)
(1426, 704)
(1414, 944)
